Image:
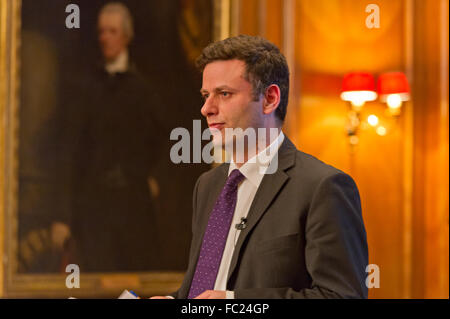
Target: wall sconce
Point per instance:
(359, 88)
(393, 89)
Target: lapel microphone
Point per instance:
(242, 225)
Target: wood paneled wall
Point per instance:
(403, 176)
(431, 168)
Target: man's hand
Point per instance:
(212, 294)
(60, 232)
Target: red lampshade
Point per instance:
(358, 87)
(358, 81)
(393, 83)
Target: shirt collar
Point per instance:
(254, 169)
(119, 65)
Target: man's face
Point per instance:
(229, 100)
(111, 35)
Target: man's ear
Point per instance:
(272, 98)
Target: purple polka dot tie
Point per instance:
(216, 236)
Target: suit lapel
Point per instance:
(269, 188)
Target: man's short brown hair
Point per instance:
(265, 64)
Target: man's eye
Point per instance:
(225, 94)
(205, 97)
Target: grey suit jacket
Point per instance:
(305, 236)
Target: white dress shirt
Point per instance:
(253, 170)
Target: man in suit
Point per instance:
(293, 232)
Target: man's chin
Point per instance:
(109, 56)
(220, 141)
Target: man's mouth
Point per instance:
(217, 126)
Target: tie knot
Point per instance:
(235, 178)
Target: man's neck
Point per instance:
(253, 150)
(119, 64)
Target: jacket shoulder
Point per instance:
(313, 171)
(213, 174)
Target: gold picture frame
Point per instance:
(92, 285)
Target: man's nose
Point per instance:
(209, 107)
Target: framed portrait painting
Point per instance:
(90, 91)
